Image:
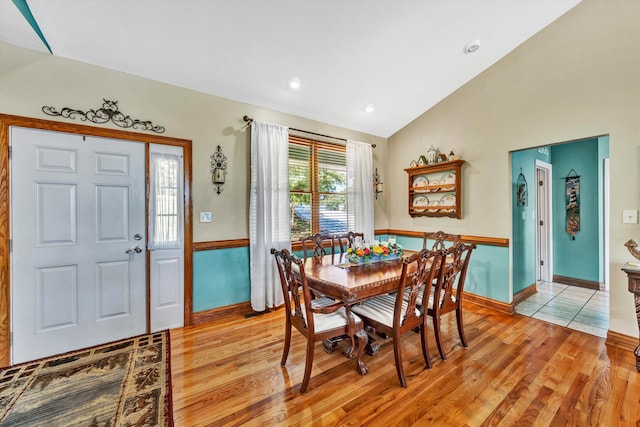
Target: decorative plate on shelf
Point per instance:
(448, 178)
(420, 203)
(434, 205)
(448, 202)
(420, 181)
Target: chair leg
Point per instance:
(287, 342)
(436, 331)
(307, 366)
(425, 345)
(463, 338)
(398, 356)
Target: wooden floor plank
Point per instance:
(516, 371)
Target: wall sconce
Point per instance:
(218, 169)
(377, 184)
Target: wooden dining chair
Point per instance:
(392, 315)
(346, 240)
(318, 246)
(440, 238)
(317, 319)
(449, 291)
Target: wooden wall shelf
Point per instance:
(435, 190)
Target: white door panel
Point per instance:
(76, 205)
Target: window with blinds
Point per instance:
(317, 187)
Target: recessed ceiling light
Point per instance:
(295, 83)
(370, 108)
(472, 46)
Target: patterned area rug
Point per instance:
(125, 383)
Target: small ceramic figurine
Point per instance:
(422, 161)
(452, 156)
(413, 164)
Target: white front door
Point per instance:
(78, 261)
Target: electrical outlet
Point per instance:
(629, 216)
(205, 216)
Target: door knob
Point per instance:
(136, 250)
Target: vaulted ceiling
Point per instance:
(400, 57)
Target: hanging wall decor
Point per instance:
(218, 169)
(108, 112)
(521, 190)
(572, 194)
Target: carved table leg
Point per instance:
(362, 338)
(331, 344)
(373, 347)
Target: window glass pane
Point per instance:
(299, 167)
(332, 171)
(165, 224)
(333, 213)
(300, 215)
(317, 174)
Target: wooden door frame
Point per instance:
(5, 210)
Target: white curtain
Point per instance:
(165, 196)
(360, 188)
(268, 211)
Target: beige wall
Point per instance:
(579, 77)
(30, 80)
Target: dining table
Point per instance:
(335, 277)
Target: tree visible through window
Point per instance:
(317, 187)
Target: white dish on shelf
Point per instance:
(448, 178)
(434, 205)
(420, 181)
(420, 203)
(448, 202)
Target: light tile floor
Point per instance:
(576, 308)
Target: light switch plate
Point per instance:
(205, 216)
(629, 216)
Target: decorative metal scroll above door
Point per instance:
(108, 112)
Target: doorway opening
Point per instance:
(560, 268)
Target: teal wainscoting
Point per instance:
(220, 278)
(488, 274)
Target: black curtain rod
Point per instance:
(249, 120)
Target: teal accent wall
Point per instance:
(523, 239)
(579, 258)
(220, 278)
(488, 273)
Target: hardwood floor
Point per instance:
(517, 371)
